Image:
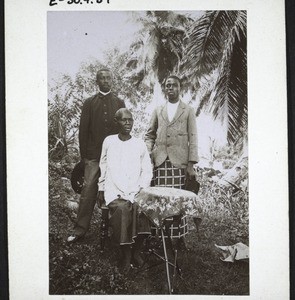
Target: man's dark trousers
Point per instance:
(88, 196)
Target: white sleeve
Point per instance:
(103, 165)
(146, 174)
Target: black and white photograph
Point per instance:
(148, 152)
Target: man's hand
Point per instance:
(190, 172)
(101, 200)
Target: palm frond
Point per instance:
(161, 47)
(206, 40)
(218, 41)
(231, 87)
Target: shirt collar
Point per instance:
(173, 104)
(103, 93)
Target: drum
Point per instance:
(159, 203)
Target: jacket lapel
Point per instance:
(164, 113)
(179, 111)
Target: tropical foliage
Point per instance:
(209, 51)
(217, 41)
(159, 47)
(209, 54)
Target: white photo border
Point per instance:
(27, 147)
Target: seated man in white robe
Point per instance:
(125, 169)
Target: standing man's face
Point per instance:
(105, 81)
(172, 89)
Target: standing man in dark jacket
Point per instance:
(96, 123)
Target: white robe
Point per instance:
(125, 168)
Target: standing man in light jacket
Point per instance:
(172, 134)
(171, 139)
(96, 123)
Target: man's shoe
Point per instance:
(74, 238)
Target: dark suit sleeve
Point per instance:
(84, 128)
(151, 135)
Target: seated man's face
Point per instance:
(125, 123)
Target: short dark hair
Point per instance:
(103, 70)
(173, 77)
(118, 114)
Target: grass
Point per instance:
(81, 268)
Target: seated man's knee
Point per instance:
(122, 205)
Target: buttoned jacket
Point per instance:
(97, 122)
(176, 139)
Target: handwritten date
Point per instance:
(55, 2)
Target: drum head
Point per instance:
(159, 203)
